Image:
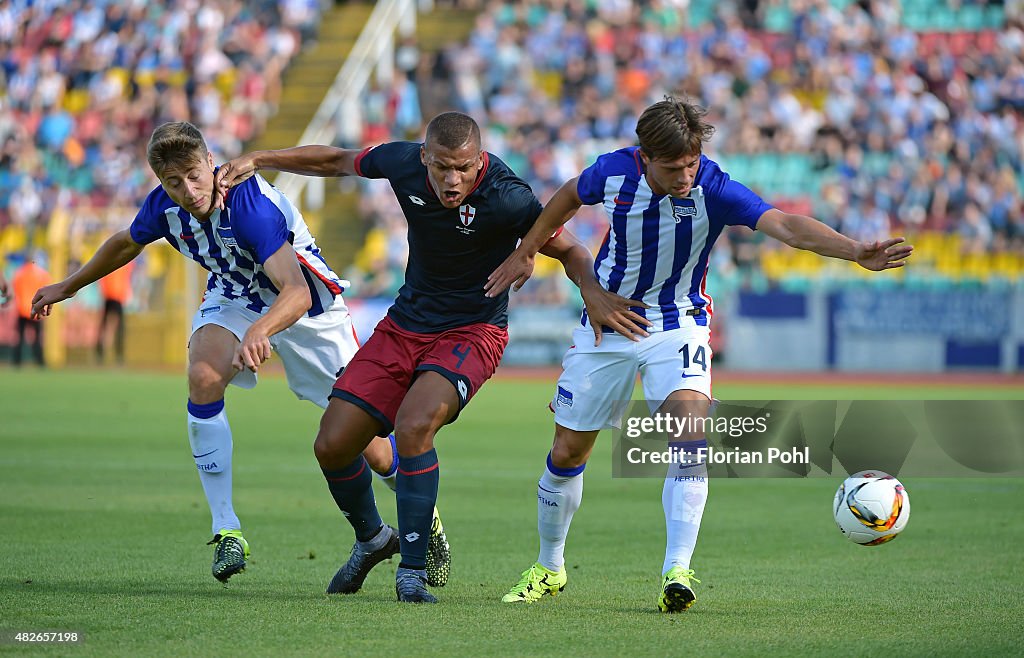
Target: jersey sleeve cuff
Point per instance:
(359, 161)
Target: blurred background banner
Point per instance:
(883, 118)
(860, 329)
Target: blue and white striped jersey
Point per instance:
(235, 242)
(657, 247)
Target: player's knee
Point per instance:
(414, 434)
(331, 447)
(205, 384)
(567, 454)
(323, 448)
(330, 450)
(684, 403)
(412, 444)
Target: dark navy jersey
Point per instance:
(452, 251)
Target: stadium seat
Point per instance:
(971, 18)
(778, 18)
(995, 17)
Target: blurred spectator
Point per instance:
(27, 279)
(116, 290)
(4, 287)
(906, 130)
(865, 221)
(86, 81)
(974, 230)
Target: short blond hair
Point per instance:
(175, 145)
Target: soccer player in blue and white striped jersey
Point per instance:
(666, 204)
(268, 288)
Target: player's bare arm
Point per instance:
(518, 267)
(604, 308)
(315, 160)
(117, 251)
(807, 233)
(292, 302)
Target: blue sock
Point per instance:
(394, 457)
(417, 494)
(352, 491)
(205, 411)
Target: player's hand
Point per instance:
(4, 292)
(515, 271)
(46, 297)
(252, 351)
(606, 309)
(883, 255)
(232, 173)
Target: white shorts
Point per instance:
(313, 350)
(596, 383)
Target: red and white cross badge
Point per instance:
(466, 214)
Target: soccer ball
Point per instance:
(871, 508)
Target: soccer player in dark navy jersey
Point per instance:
(443, 337)
(455, 239)
(666, 205)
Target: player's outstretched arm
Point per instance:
(292, 302)
(518, 267)
(803, 232)
(604, 308)
(313, 160)
(117, 251)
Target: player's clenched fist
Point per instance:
(232, 173)
(252, 351)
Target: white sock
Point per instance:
(211, 447)
(683, 498)
(558, 498)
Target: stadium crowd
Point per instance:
(86, 81)
(897, 130)
(845, 112)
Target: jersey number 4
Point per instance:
(461, 353)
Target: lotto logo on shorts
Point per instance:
(564, 398)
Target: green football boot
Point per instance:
(535, 583)
(439, 557)
(676, 594)
(229, 554)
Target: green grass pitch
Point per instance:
(103, 526)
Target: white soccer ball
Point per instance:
(871, 508)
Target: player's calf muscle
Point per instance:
(571, 449)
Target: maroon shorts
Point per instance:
(379, 375)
